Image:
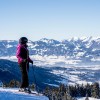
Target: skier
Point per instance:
(23, 60)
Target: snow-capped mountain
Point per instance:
(83, 49)
(75, 60)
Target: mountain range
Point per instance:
(85, 49)
(54, 59)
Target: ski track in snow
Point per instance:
(13, 94)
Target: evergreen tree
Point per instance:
(32, 86)
(12, 83)
(95, 90)
(88, 90)
(68, 92)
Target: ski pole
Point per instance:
(33, 67)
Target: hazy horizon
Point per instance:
(75, 38)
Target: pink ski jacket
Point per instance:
(22, 53)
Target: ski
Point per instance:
(32, 92)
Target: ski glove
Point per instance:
(31, 62)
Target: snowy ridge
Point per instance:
(73, 48)
(13, 94)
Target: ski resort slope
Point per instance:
(13, 94)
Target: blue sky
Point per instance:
(56, 19)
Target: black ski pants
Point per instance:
(24, 75)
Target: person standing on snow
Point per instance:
(23, 60)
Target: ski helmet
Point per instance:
(23, 40)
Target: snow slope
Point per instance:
(89, 98)
(13, 94)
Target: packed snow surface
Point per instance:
(13, 94)
(89, 98)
